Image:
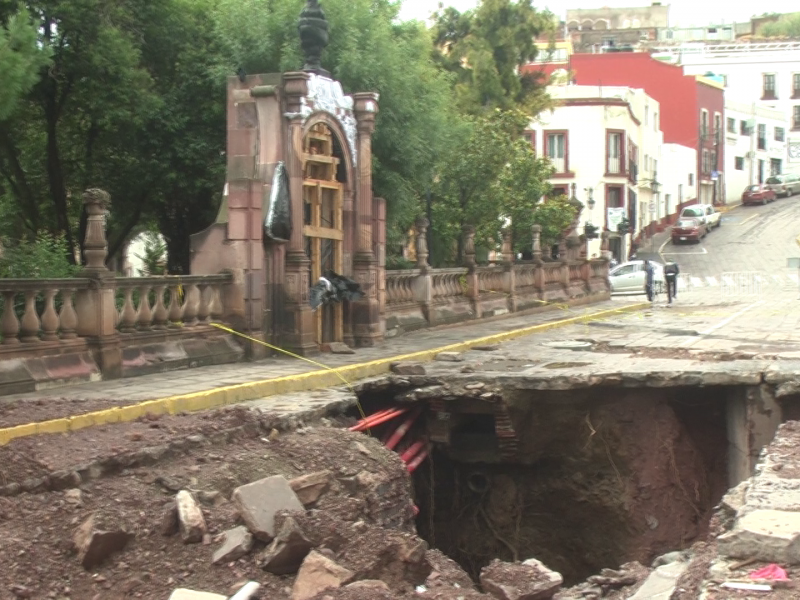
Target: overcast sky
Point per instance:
(682, 12)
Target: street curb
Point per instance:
(302, 382)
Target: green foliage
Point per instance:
(43, 258)
(487, 47)
(788, 25)
(554, 215)
(154, 256)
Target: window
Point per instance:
(731, 125)
(615, 156)
(775, 166)
(691, 178)
(706, 162)
(796, 118)
(769, 87)
(655, 121)
(558, 190)
(780, 134)
(703, 122)
(667, 202)
(530, 137)
(796, 85)
(680, 193)
(647, 163)
(614, 196)
(717, 125)
(739, 163)
(743, 128)
(762, 137)
(556, 150)
(655, 168)
(646, 114)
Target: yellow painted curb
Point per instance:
(302, 382)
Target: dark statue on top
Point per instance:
(313, 29)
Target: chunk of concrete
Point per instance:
(190, 518)
(258, 502)
(184, 594)
(337, 348)
(97, 538)
(407, 368)
(449, 357)
(529, 580)
(236, 543)
(318, 573)
(288, 550)
(765, 535)
(369, 584)
(661, 583)
(310, 487)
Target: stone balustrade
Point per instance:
(448, 284)
(400, 287)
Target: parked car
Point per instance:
(688, 230)
(628, 277)
(786, 184)
(709, 215)
(757, 194)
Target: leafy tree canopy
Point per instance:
(787, 25)
(21, 58)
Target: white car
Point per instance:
(705, 212)
(628, 277)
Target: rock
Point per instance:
(487, 347)
(661, 582)
(184, 594)
(20, 591)
(210, 498)
(449, 357)
(337, 348)
(735, 498)
(362, 448)
(190, 518)
(369, 584)
(288, 550)
(169, 524)
(530, 580)
(97, 538)
(765, 535)
(74, 497)
(310, 487)
(258, 502)
(478, 385)
(316, 574)
(407, 368)
(236, 543)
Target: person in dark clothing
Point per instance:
(671, 271)
(649, 276)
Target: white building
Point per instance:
(607, 142)
(766, 73)
(755, 140)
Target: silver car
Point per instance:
(628, 277)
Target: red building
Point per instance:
(692, 107)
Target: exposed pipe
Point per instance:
(412, 450)
(402, 430)
(378, 418)
(412, 466)
(478, 482)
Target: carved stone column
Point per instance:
(421, 227)
(299, 323)
(96, 308)
(468, 241)
(507, 249)
(536, 234)
(367, 328)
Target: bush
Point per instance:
(43, 258)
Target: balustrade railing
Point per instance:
(552, 273)
(599, 268)
(490, 279)
(400, 286)
(448, 283)
(39, 310)
(160, 303)
(575, 273)
(525, 276)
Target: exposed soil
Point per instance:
(19, 412)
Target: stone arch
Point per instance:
(335, 125)
(601, 24)
(587, 25)
(573, 26)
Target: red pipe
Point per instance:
(377, 419)
(402, 430)
(412, 466)
(412, 450)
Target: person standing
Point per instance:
(649, 276)
(671, 271)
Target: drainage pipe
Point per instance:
(402, 430)
(412, 451)
(412, 466)
(478, 482)
(377, 419)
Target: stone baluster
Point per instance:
(536, 234)
(144, 316)
(604, 244)
(421, 225)
(468, 237)
(203, 309)
(506, 248)
(175, 306)
(29, 330)
(160, 314)
(50, 317)
(215, 305)
(190, 306)
(68, 317)
(10, 323)
(127, 317)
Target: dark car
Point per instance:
(757, 194)
(688, 230)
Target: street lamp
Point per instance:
(589, 200)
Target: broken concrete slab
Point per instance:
(258, 502)
(184, 594)
(449, 357)
(529, 580)
(369, 584)
(98, 537)
(288, 550)
(407, 368)
(767, 535)
(310, 487)
(337, 348)
(771, 493)
(236, 543)
(318, 573)
(190, 518)
(661, 582)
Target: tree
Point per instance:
(20, 60)
(787, 25)
(486, 49)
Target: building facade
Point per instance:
(609, 29)
(691, 113)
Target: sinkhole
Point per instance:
(581, 479)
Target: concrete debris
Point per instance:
(74, 497)
(288, 550)
(662, 582)
(258, 502)
(97, 538)
(450, 357)
(487, 347)
(766, 535)
(236, 543)
(337, 348)
(184, 594)
(191, 522)
(529, 580)
(369, 584)
(310, 487)
(318, 573)
(407, 368)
